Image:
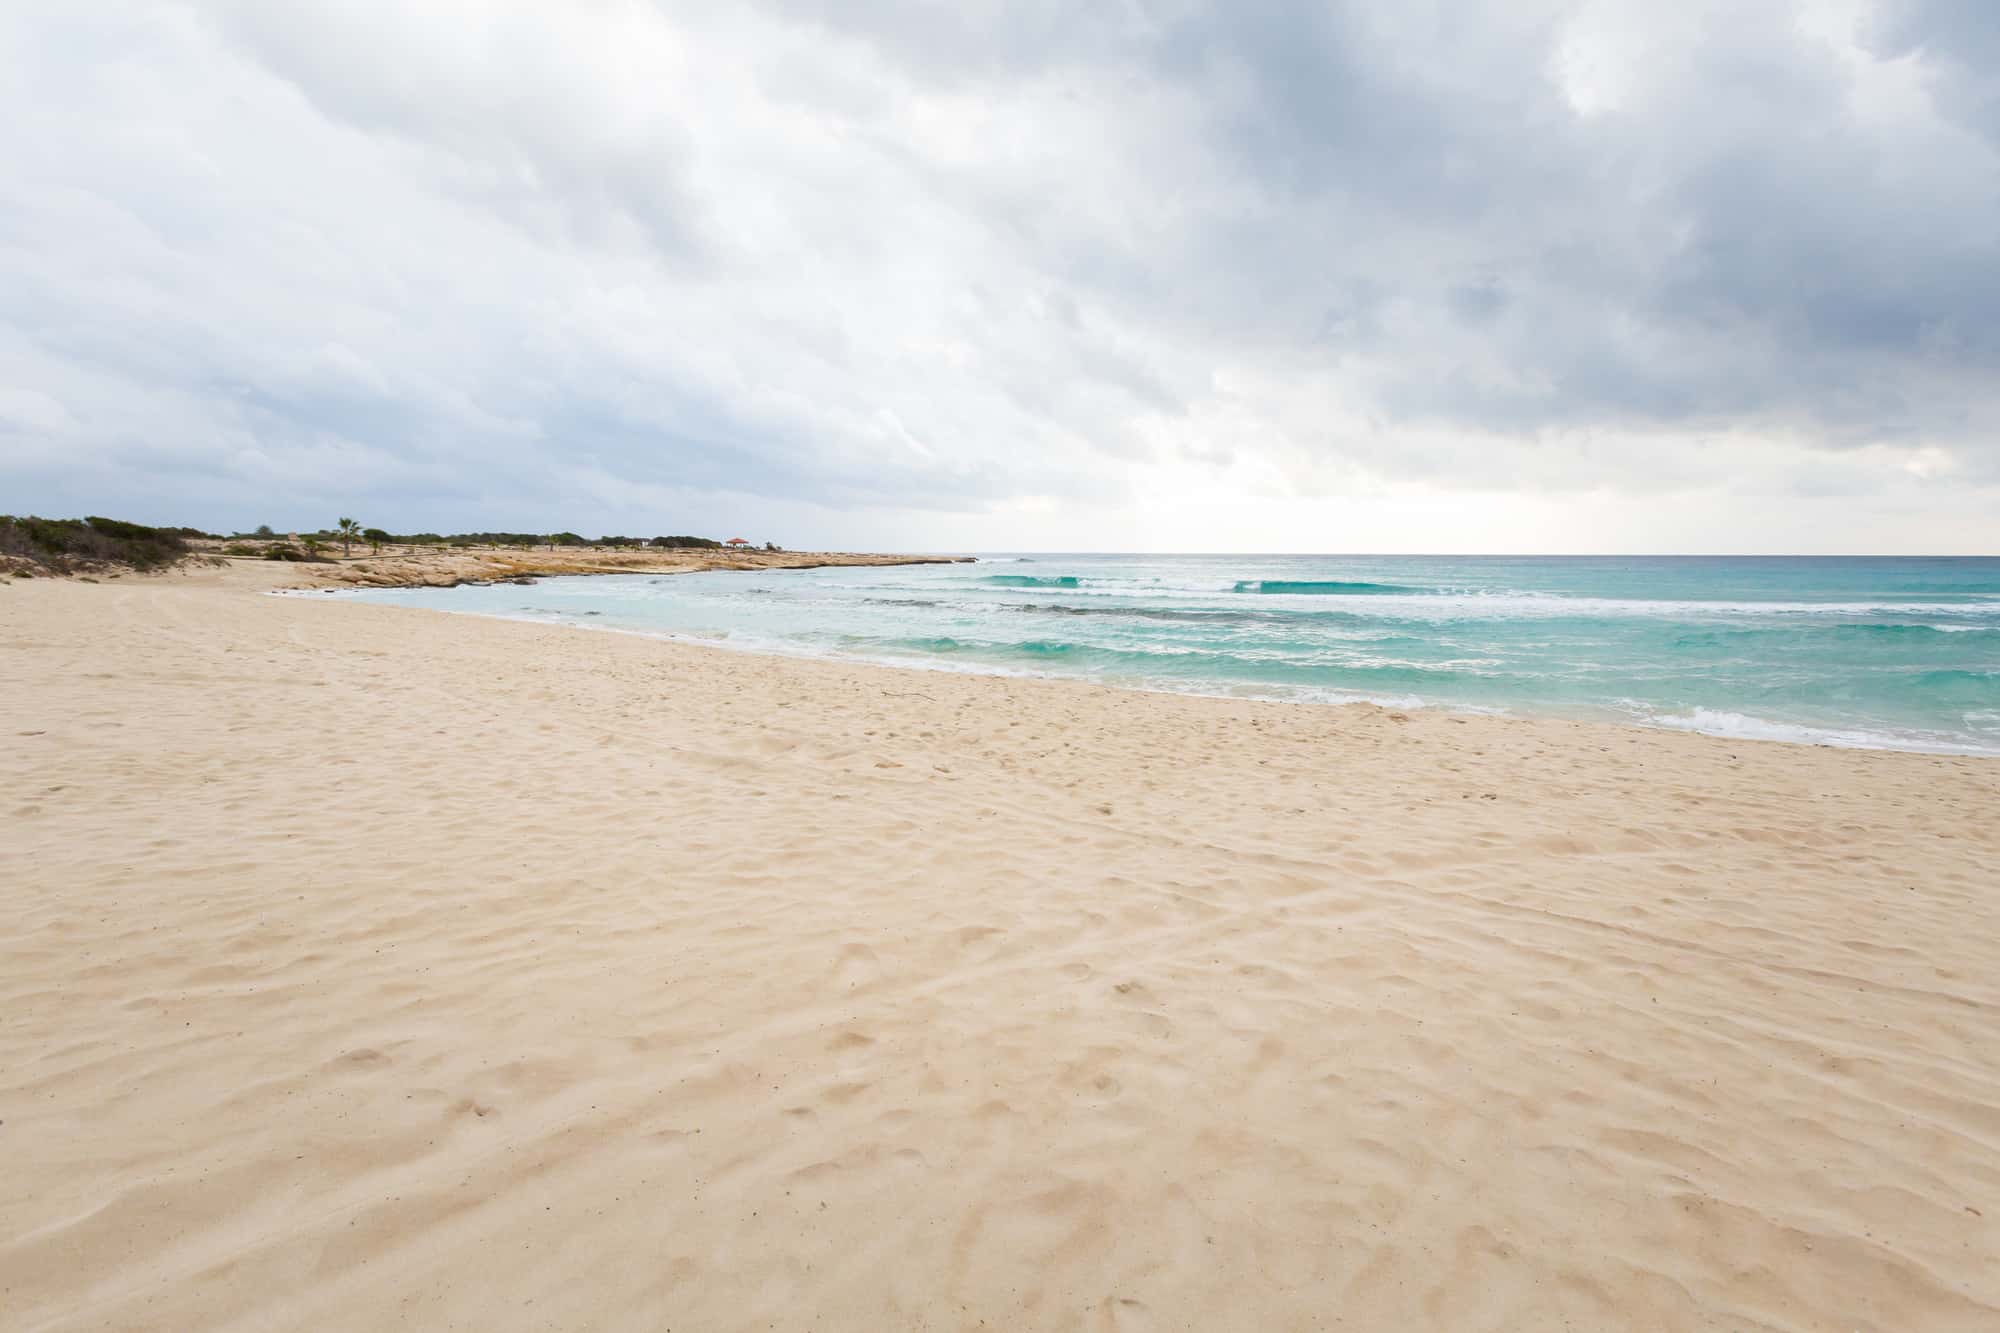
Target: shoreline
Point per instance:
(1813, 738)
(351, 955)
(426, 567)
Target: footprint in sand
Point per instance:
(856, 965)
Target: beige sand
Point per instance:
(364, 967)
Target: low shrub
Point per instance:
(67, 545)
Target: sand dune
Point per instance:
(363, 967)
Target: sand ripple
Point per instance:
(363, 967)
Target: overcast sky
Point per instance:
(1026, 274)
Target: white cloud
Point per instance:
(1002, 275)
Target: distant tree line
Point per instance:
(547, 539)
(347, 531)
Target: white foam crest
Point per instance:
(1457, 604)
(1550, 605)
(1741, 726)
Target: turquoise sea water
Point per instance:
(1892, 653)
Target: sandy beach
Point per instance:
(364, 967)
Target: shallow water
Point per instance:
(1874, 652)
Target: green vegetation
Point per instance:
(531, 539)
(469, 539)
(69, 545)
(33, 545)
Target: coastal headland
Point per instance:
(413, 566)
(366, 967)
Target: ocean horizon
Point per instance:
(1884, 652)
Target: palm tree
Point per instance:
(349, 530)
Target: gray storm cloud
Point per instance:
(489, 260)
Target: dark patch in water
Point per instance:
(1030, 581)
